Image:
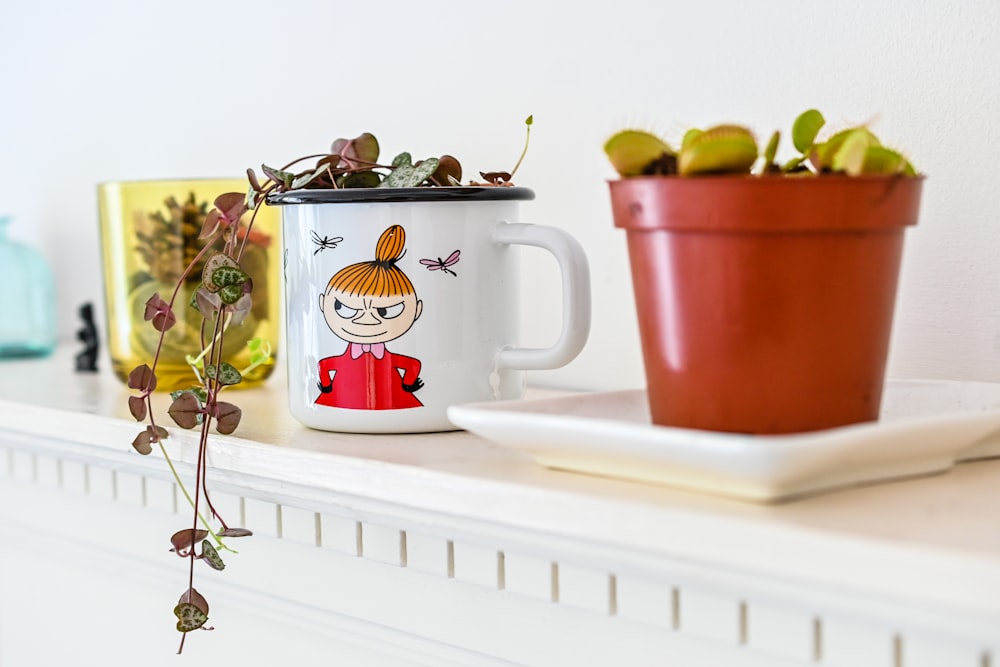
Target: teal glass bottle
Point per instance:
(27, 308)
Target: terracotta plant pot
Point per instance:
(765, 304)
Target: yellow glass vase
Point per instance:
(149, 235)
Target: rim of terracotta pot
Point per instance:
(765, 204)
(369, 195)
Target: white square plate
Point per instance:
(926, 426)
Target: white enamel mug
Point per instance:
(403, 302)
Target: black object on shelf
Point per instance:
(86, 361)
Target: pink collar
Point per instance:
(377, 350)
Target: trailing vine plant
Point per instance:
(223, 299)
(732, 149)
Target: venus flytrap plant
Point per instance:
(223, 298)
(732, 149)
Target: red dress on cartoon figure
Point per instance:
(369, 379)
(368, 304)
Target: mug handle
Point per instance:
(575, 274)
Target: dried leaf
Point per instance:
(211, 556)
(142, 377)
(235, 532)
(495, 177)
(141, 443)
(227, 417)
(184, 540)
(137, 406)
(185, 410)
(449, 170)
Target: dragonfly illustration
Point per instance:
(442, 264)
(324, 242)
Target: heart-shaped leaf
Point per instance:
(251, 195)
(208, 303)
(227, 417)
(307, 178)
(137, 406)
(230, 294)
(224, 276)
(159, 313)
(366, 147)
(189, 617)
(225, 372)
(141, 443)
(184, 540)
(211, 556)
(148, 436)
(363, 148)
(252, 178)
(185, 410)
(405, 175)
(198, 392)
(210, 225)
(449, 170)
(278, 176)
(360, 179)
(142, 377)
(241, 308)
(199, 395)
(214, 263)
(192, 596)
(231, 206)
(235, 532)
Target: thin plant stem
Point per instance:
(180, 485)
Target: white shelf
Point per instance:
(910, 561)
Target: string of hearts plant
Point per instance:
(223, 300)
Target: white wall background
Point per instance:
(117, 89)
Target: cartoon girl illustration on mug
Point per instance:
(369, 304)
